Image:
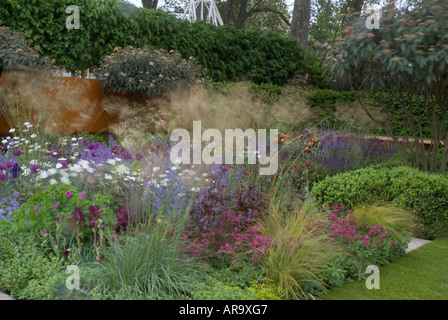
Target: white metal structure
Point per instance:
(205, 10)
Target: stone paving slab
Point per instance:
(415, 244)
(5, 297)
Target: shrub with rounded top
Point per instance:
(145, 73)
(423, 194)
(15, 50)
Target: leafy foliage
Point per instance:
(28, 269)
(327, 98)
(421, 193)
(226, 52)
(406, 57)
(144, 73)
(15, 50)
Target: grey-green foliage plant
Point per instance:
(145, 73)
(147, 262)
(16, 50)
(407, 57)
(149, 265)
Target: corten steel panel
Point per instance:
(88, 88)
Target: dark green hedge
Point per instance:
(227, 53)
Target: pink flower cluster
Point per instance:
(342, 226)
(228, 236)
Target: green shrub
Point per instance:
(40, 212)
(144, 73)
(268, 92)
(217, 290)
(266, 290)
(423, 194)
(28, 268)
(226, 52)
(326, 98)
(15, 50)
(315, 70)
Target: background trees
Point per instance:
(150, 4)
(404, 62)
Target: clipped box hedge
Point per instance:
(424, 194)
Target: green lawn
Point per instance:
(422, 274)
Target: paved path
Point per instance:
(414, 244)
(5, 297)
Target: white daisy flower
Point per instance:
(65, 180)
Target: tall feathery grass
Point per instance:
(398, 222)
(298, 254)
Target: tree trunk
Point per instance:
(300, 23)
(150, 4)
(228, 15)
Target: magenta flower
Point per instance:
(17, 152)
(3, 176)
(307, 165)
(82, 196)
(2, 166)
(36, 208)
(34, 168)
(68, 193)
(59, 218)
(55, 206)
(9, 164)
(45, 233)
